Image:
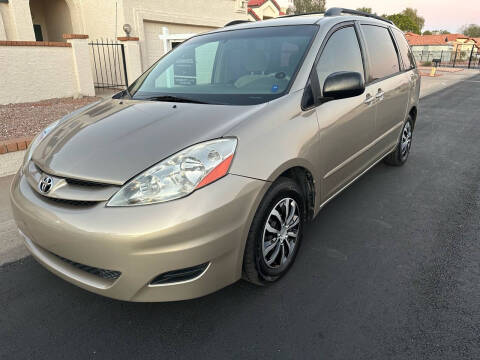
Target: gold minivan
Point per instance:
(209, 166)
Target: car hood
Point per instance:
(117, 139)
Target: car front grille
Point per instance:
(78, 182)
(71, 192)
(102, 273)
(71, 202)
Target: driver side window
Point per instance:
(342, 53)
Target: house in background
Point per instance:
(48, 20)
(263, 10)
(70, 48)
(439, 43)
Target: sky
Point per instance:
(439, 14)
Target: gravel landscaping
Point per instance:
(27, 119)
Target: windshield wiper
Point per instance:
(170, 98)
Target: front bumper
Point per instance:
(142, 242)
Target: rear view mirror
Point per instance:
(343, 84)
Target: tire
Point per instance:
(402, 150)
(259, 268)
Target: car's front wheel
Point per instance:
(275, 234)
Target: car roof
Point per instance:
(309, 19)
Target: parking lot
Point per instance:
(388, 270)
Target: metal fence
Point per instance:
(108, 64)
(469, 59)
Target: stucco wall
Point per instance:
(3, 35)
(58, 19)
(98, 18)
(188, 16)
(7, 22)
(33, 73)
(152, 46)
(215, 13)
(21, 18)
(39, 18)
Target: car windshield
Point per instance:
(238, 67)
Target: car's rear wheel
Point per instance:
(275, 234)
(400, 155)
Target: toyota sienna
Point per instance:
(208, 167)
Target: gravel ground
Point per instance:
(27, 119)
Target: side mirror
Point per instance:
(343, 84)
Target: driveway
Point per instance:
(388, 270)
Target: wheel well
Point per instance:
(413, 114)
(304, 178)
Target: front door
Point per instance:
(346, 125)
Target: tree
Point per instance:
(417, 19)
(471, 30)
(427, 32)
(306, 6)
(404, 22)
(366, 10)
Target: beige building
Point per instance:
(264, 9)
(48, 20)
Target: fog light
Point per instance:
(181, 275)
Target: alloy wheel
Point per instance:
(280, 233)
(406, 141)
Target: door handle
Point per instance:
(380, 94)
(369, 99)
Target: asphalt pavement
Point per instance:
(390, 269)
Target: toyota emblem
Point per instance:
(45, 184)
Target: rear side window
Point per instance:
(381, 50)
(342, 53)
(405, 51)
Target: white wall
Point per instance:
(3, 33)
(153, 46)
(6, 21)
(32, 73)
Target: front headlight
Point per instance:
(178, 175)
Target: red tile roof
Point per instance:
(415, 39)
(256, 3)
(254, 14)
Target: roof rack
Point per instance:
(310, 13)
(339, 11)
(235, 22)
